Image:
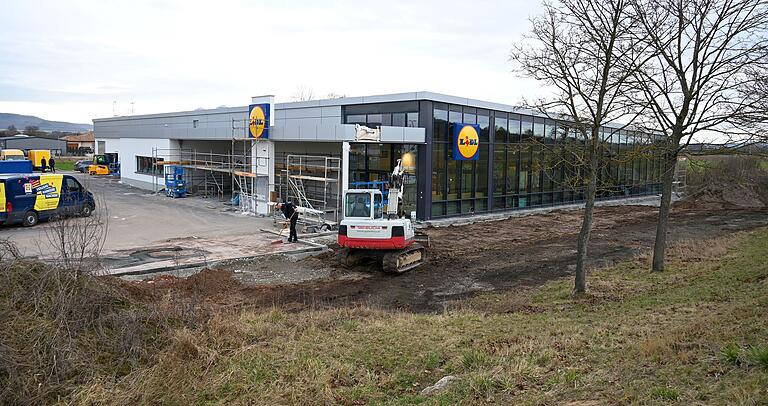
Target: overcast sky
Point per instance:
(69, 60)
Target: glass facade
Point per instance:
(524, 161)
(533, 161)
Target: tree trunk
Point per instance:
(580, 284)
(660, 246)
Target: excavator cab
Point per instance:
(364, 204)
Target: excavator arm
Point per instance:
(395, 196)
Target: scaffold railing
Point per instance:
(231, 175)
(314, 183)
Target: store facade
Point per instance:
(524, 160)
(519, 159)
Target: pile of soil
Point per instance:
(206, 283)
(718, 196)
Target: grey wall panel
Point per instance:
(314, 112)
(414, 135)
(331, 111)
(330, 120)
(326, 133)
(349, 132)
(303, 122)
(391, 134)
(308, 132)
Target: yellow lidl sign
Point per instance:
(466, 141)
(258, 120)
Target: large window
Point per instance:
(149, 166)
(404, 119)
(533, 161)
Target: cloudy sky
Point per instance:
(69, 60)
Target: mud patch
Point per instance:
(517, 253)
(277, 270)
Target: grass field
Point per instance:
(695, 334)
(63, 165)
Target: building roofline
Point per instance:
(342, 101)
(354, 100)
(221, 110)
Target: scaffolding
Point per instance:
(314, 183)
(231, 175)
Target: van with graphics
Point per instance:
(27, 199)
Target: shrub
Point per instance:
(730, 354)
(665, 393)
(759, 356)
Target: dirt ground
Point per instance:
(463, 261)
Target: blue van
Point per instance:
(29, 198)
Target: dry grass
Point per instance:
(63, 329)
(695, 334)
(638, 338)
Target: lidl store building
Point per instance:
(461, 156)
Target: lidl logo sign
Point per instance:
(466, 142)
(258, 120)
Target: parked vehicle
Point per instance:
(12, 155)
(27, 199)
(82, 165)
(19, 166)
(37, 156)
(105, 164)
(98, 170)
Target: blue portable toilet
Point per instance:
(175, 185)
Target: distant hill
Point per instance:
(21, 121)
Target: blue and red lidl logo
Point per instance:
(258, 121)
(466, 142)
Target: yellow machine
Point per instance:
(12, 155)
(37, 155)
(98, 170)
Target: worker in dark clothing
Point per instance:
(43, 164)
(52, 165)
(290, 211)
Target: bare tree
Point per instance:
(75, 236)
(583, 49)
(702, 52)
(9, 251)
(303, 93)
(31, 130)
(755, 121)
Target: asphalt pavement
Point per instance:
(138, 218)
